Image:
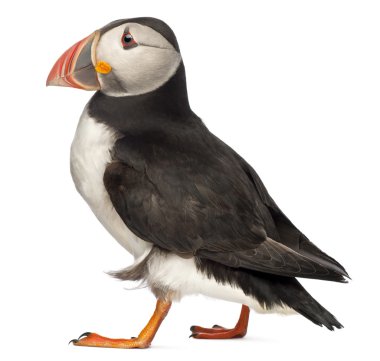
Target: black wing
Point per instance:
(287, 233)
(192, 194)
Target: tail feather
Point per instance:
(297, 298)
(320, 316)
(271, 291)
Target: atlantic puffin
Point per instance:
(193, 213)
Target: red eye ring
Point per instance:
(128, 41)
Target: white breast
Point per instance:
(90, 154)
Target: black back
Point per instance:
(178, 186)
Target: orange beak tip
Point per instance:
(74, 68)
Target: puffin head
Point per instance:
(126, 57)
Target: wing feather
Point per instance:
(185, 223)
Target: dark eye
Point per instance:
(127, 41)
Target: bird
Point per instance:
(192, 212)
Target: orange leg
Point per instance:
(143, 340)
(219, 332)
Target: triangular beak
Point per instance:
(75, 68)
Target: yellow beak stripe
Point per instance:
(103, 67)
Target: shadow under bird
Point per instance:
(193, 213)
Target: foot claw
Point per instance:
(76, 340)
(84, 334)
(220, 332)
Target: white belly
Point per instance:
(90, 154)
(181, 275)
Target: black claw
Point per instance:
(133, 338)
(75, 340)
(193, 335)
(192, 328)
(217, 326)
(85, 334)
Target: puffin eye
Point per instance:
(127, 41)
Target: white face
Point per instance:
(135, 69)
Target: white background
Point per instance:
(293, 86)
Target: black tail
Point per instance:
(271, 291)
(297, 298)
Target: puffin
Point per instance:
(191, 211)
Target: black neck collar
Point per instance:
(156, 109)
